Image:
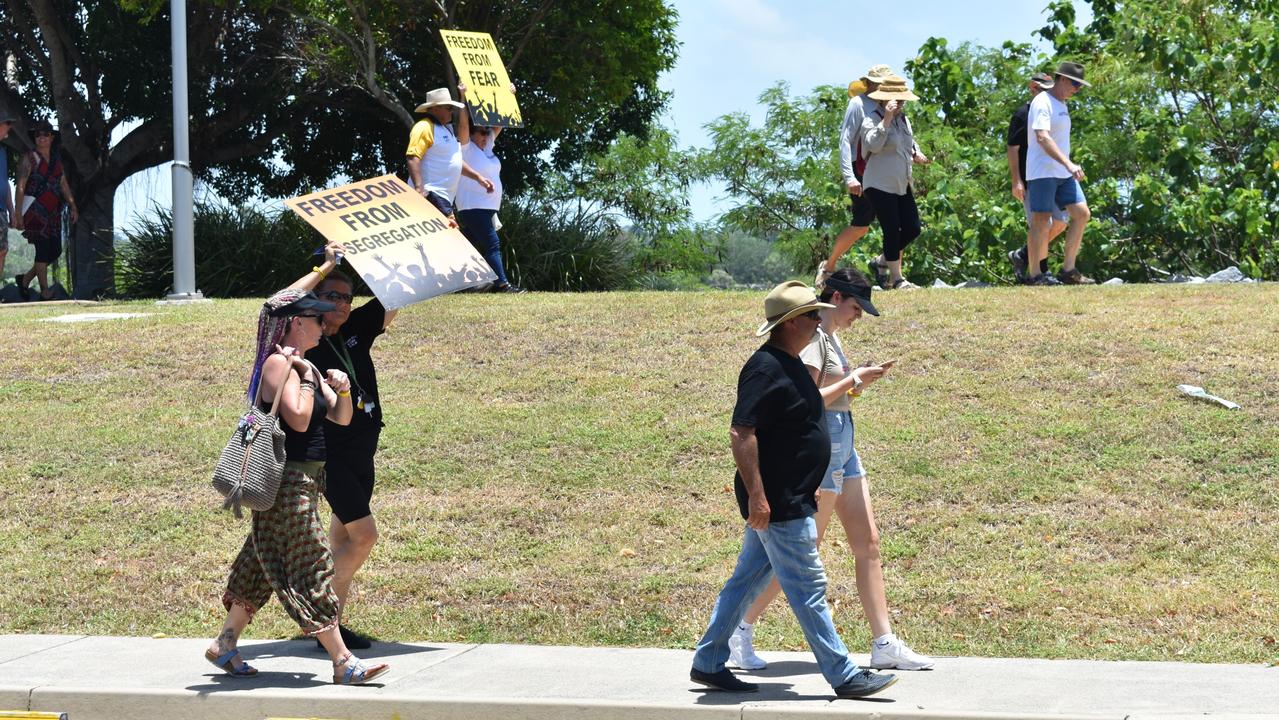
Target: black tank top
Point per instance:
(307, 445)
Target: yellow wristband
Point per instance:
(317, 269)
(345, 393)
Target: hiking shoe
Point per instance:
(819, 279)
(904, 284)
(895, 654)
(1074, 277)
(508, 288)
(722, 680)
(865, 683)
(352, 639)
(1043, 279)
(1019, 264)
(879, 271)
(741, 650)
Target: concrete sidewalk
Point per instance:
(112, 678)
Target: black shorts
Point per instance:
(348, 474)
(441, 203)
(863, 210)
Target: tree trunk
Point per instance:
(92, 256)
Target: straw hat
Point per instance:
(785, 302)
(893, 88)
(877, 74)
(438, 96)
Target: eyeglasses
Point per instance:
(336, 296)
(813, 315)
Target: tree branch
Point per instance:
(533, 27)
(61, 78)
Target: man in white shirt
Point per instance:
(1052, 178)
(434, 154)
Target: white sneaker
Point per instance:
(896, 654)
(741, 650)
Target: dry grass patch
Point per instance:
(556, 470)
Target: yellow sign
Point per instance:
(488, 88)
(399, 243)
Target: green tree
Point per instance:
(286, 95)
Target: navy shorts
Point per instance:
(441, 203)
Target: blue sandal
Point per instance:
(357, 672)
(225, 663)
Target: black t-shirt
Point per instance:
(777, 397)
(306, 445)
(1017, 131)
(356, 337)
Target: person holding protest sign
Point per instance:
(888, 143)
(845, 490)
(434, 155)
(852, 166)
(286, 550)
(349, 476)
(477, 206)
(41, 179)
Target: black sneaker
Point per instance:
(1043, 279)
(879, 271)
(722, 680)
(1019, 264)
(352, 639)
(865, 683)
(508, 288)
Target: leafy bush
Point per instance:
(239, 252)
(551, 248)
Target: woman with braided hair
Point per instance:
(287, 551)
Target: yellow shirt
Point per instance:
(421, 138)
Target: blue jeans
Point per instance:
(789, 549)
(477, 226)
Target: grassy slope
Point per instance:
(556, 471)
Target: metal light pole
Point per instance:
(183, 184)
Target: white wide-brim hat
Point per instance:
(438, 96)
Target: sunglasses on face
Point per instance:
(335, 296)
(1075, 83)
(43, 133)
(813, 315)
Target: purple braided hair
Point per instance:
(270, 333)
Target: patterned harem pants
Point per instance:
(288, 552)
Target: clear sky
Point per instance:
(732, 50)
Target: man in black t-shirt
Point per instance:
(781, 448)
(1018, 134)
(349, 475)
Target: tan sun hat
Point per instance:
(785, 302)
(893, 88)
(438, 96)
(878, 74)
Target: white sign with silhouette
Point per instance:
(400, 244)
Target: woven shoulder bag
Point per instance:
(251, 466)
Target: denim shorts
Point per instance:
(844, 462)
(1048, 194)
(1059, 214)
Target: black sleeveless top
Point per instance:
(308, 445)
